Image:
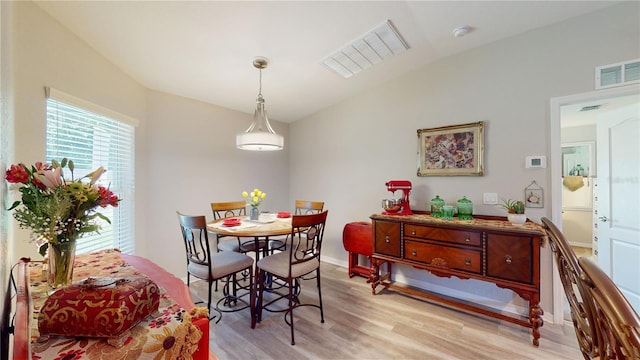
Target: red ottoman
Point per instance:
(357, 240)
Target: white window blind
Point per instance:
(80, 131)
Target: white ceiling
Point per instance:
(204, 49)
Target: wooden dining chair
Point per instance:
(616, 319)
(222, 210)
(580, 300)
(204, 264)
(301, 258)
(302, 207)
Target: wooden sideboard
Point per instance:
(487, 248)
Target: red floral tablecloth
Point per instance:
(167, 334)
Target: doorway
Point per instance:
(560, 120)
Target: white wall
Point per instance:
(192, 161)
(371, 138)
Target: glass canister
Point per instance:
(436, 207)
(465, 209)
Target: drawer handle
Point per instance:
(413, 231)
(507, 259)
(414, 252)
(467, 261)
(387, 239)
(467, 240)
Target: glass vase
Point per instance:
(254, 213)
(61, 258)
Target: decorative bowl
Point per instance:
(391, 205)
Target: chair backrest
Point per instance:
(616, 319)
(196, 241)
(581, 302)
(223, 210)
(304, 207)
(307, 232)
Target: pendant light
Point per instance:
(260, 136)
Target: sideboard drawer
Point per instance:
(445, 256)
(387, 238)
(449, 235)
(510, 257)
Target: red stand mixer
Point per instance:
(397, 206)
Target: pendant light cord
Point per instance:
(260, 88)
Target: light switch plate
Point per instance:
(490, 198)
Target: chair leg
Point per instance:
(320, 296)
(259, 288)
(252, 298)
(209, 299)
(293, 342)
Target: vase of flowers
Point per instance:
(58, 211)
(255, 199)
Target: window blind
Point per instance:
(92, 140)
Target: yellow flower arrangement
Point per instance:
(255, 197)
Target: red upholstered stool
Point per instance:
(357, 240)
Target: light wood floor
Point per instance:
(390, 325)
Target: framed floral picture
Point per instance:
(451, 150)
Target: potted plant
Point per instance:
(515, 211)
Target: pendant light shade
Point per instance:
(260, 136)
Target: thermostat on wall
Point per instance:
(535, 162)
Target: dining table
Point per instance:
(266, 226)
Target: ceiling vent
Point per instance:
(623, 73)
(371, 48)
(591, 107)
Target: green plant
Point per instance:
(513, 206)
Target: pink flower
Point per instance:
(52, 179)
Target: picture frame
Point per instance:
(455, 150)
(533, 196)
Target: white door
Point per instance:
(618, 198)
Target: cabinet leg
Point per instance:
(535, 318)
(374, 276)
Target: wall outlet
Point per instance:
(490, 198)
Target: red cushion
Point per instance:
(99, 307)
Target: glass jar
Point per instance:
(436, 207)
(465, 209)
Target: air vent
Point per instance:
(592, 107)
(371, 48)
(623, 73)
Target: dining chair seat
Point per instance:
(225, 263)
(278, 264)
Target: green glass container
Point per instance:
(465, 209)
(436, 207)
